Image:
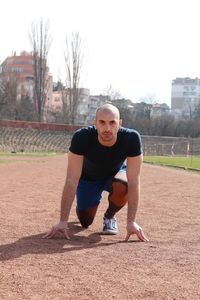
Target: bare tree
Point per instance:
(25, 109)
(8, 98)
(197, 111)
(112, 93)
(149, 99)
(40, 41)
(73, 63)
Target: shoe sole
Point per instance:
(109, 232)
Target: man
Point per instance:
(102, 157)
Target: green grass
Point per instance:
(192, 162)
(5, 161)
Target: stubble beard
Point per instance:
(108, 138)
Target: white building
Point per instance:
(185, 95)
(83, 103)
(94, 102)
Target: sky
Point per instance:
(136, 46)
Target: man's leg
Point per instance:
(117, 198)
(118, 195)
(88, 198)
(86, 216)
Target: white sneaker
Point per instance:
(110, 226)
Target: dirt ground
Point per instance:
(90, 265)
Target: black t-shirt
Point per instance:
(101, 162)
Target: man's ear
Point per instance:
(120, 122)
(94, 122)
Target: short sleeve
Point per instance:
(135, 144)
(79, 142)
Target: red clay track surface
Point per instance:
(90, 265)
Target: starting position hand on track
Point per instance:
(134, 228)
(60, 227)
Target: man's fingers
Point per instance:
(145, 239)
(65, 233)
(127, 236)
(141, 236)
(48, 234)
(53, 231)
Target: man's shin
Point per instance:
(117, 198)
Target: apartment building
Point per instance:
(19, 69)
(94, 102)
(87, 104)
(185, 95)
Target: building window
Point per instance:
(16, 70)
(29, 78)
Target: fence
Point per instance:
(32, 136)
(160, 146)
(22, 136)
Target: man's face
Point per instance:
(107, 124)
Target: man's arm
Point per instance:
(133, 177)
(74, 168)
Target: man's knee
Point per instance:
(86, 221)
(120, 186)
(119, 192)
(86, 217)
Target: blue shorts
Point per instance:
(89, 193)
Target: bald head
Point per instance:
(107, 123)
(108, 108)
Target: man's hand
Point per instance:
(134, 228)
(61, 227)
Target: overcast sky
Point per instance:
(137, 46)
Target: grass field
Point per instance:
(188, 162)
